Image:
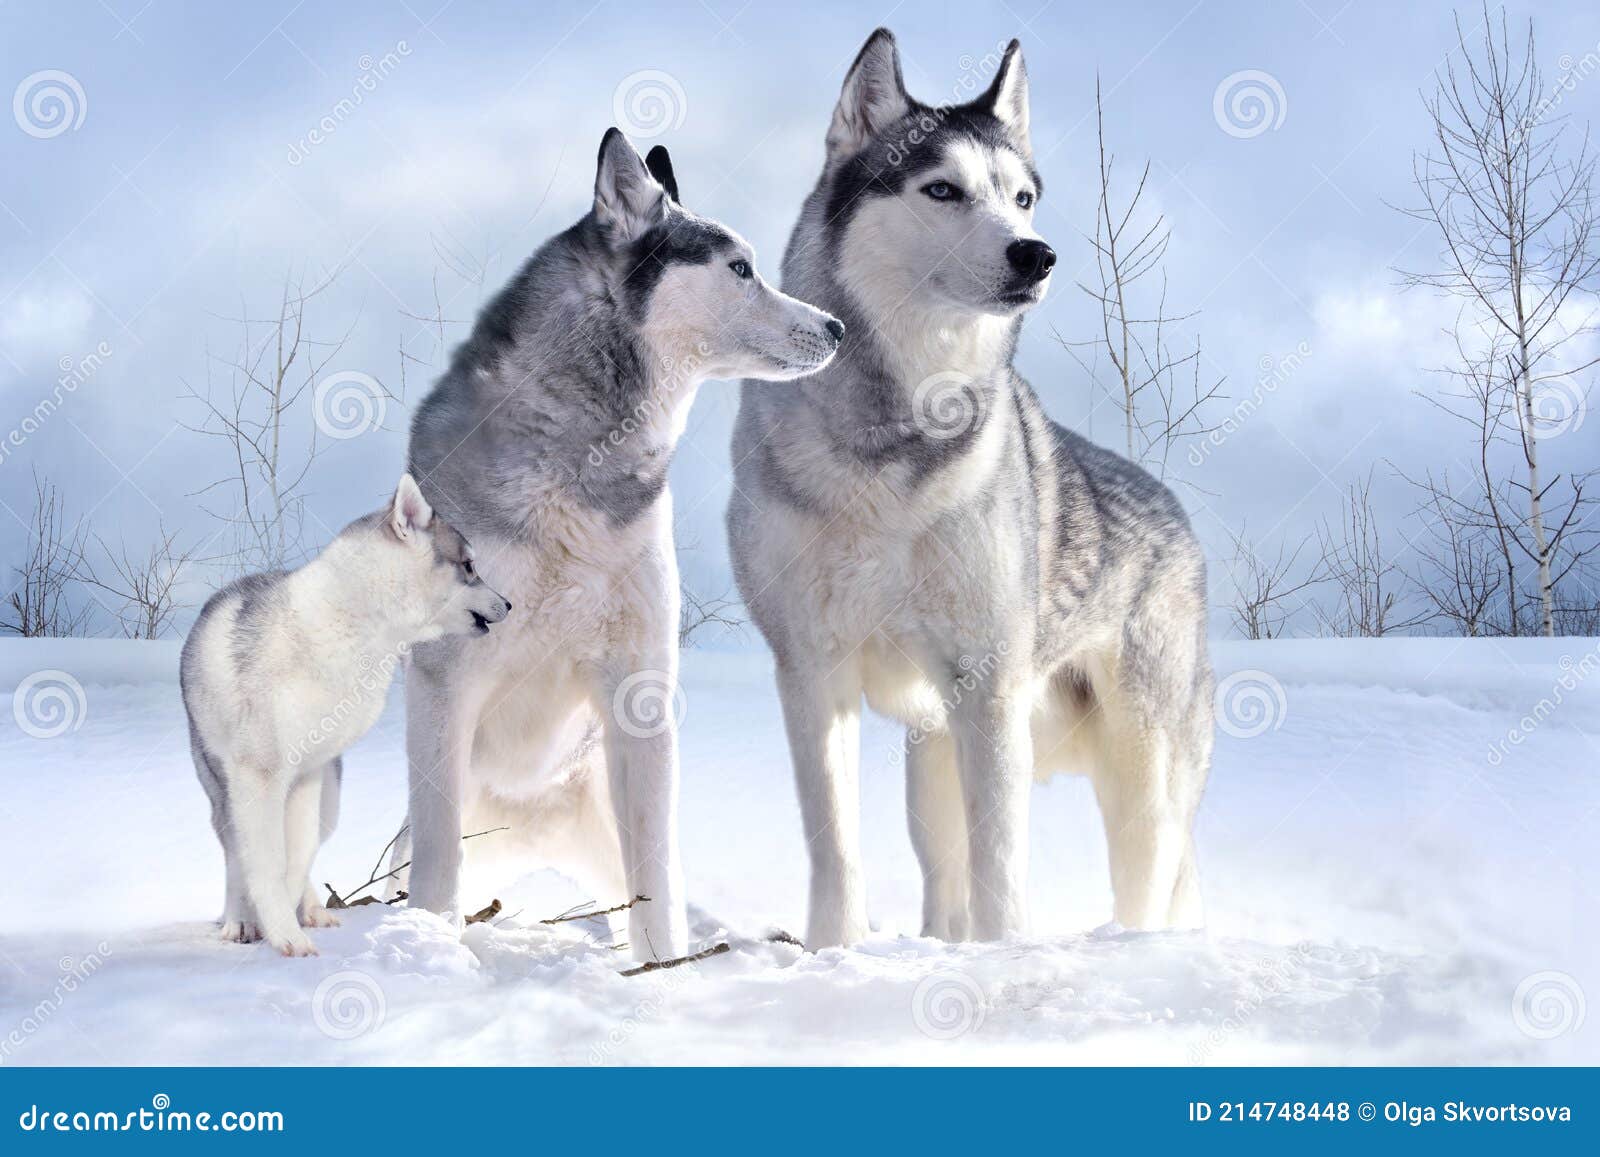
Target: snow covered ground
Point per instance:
(1397, 846)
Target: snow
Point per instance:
(1397, 849)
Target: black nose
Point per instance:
(1033, 259)
(835, 327)
(508, 605)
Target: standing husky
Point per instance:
(548, 441)
(284, 671)
(909, 525)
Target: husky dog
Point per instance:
(909, 525)
(548, 441)
(284, 671)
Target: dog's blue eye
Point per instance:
(942, 191)
(741, 268)
(1025, 199)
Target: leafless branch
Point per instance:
(40, 603)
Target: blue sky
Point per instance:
(189, 189)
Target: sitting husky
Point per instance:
(284, 671)
(547, 441)
(908, 525)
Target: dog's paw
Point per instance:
(297, 945)
(240, 931)
(316, 916)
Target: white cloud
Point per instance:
(40, 326)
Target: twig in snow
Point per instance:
(659, 965)
(337, 901)
(574, 913)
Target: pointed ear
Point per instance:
(411, 511)
(1007, 97)
(874, 95)
(659, 163)
(627, 199)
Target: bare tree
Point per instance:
(1516, 219)
(257, 413)
(1162, 392)
(1578, 611)
(1460, 571)
(1264, 586)
(700, 613)
(40, 603)
(1368, 583)
(145, 585)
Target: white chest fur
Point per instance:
(592, 602)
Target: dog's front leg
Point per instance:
(822, 711)
(994, 751)
(440, 723)
(641, 742)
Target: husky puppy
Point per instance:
(547, 441)
(284, 671)
(908, 525)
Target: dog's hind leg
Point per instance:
(1194, 766)
(312, 811)
(238, 921)
(1148, 780)
(258, 807)
(937, 816)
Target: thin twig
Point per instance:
(660, 965)
(575, 914)
(337, 901)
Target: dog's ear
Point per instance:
(627, 199)
(1007, 97)
(874, 96)
(411, 511)
(659, 162)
